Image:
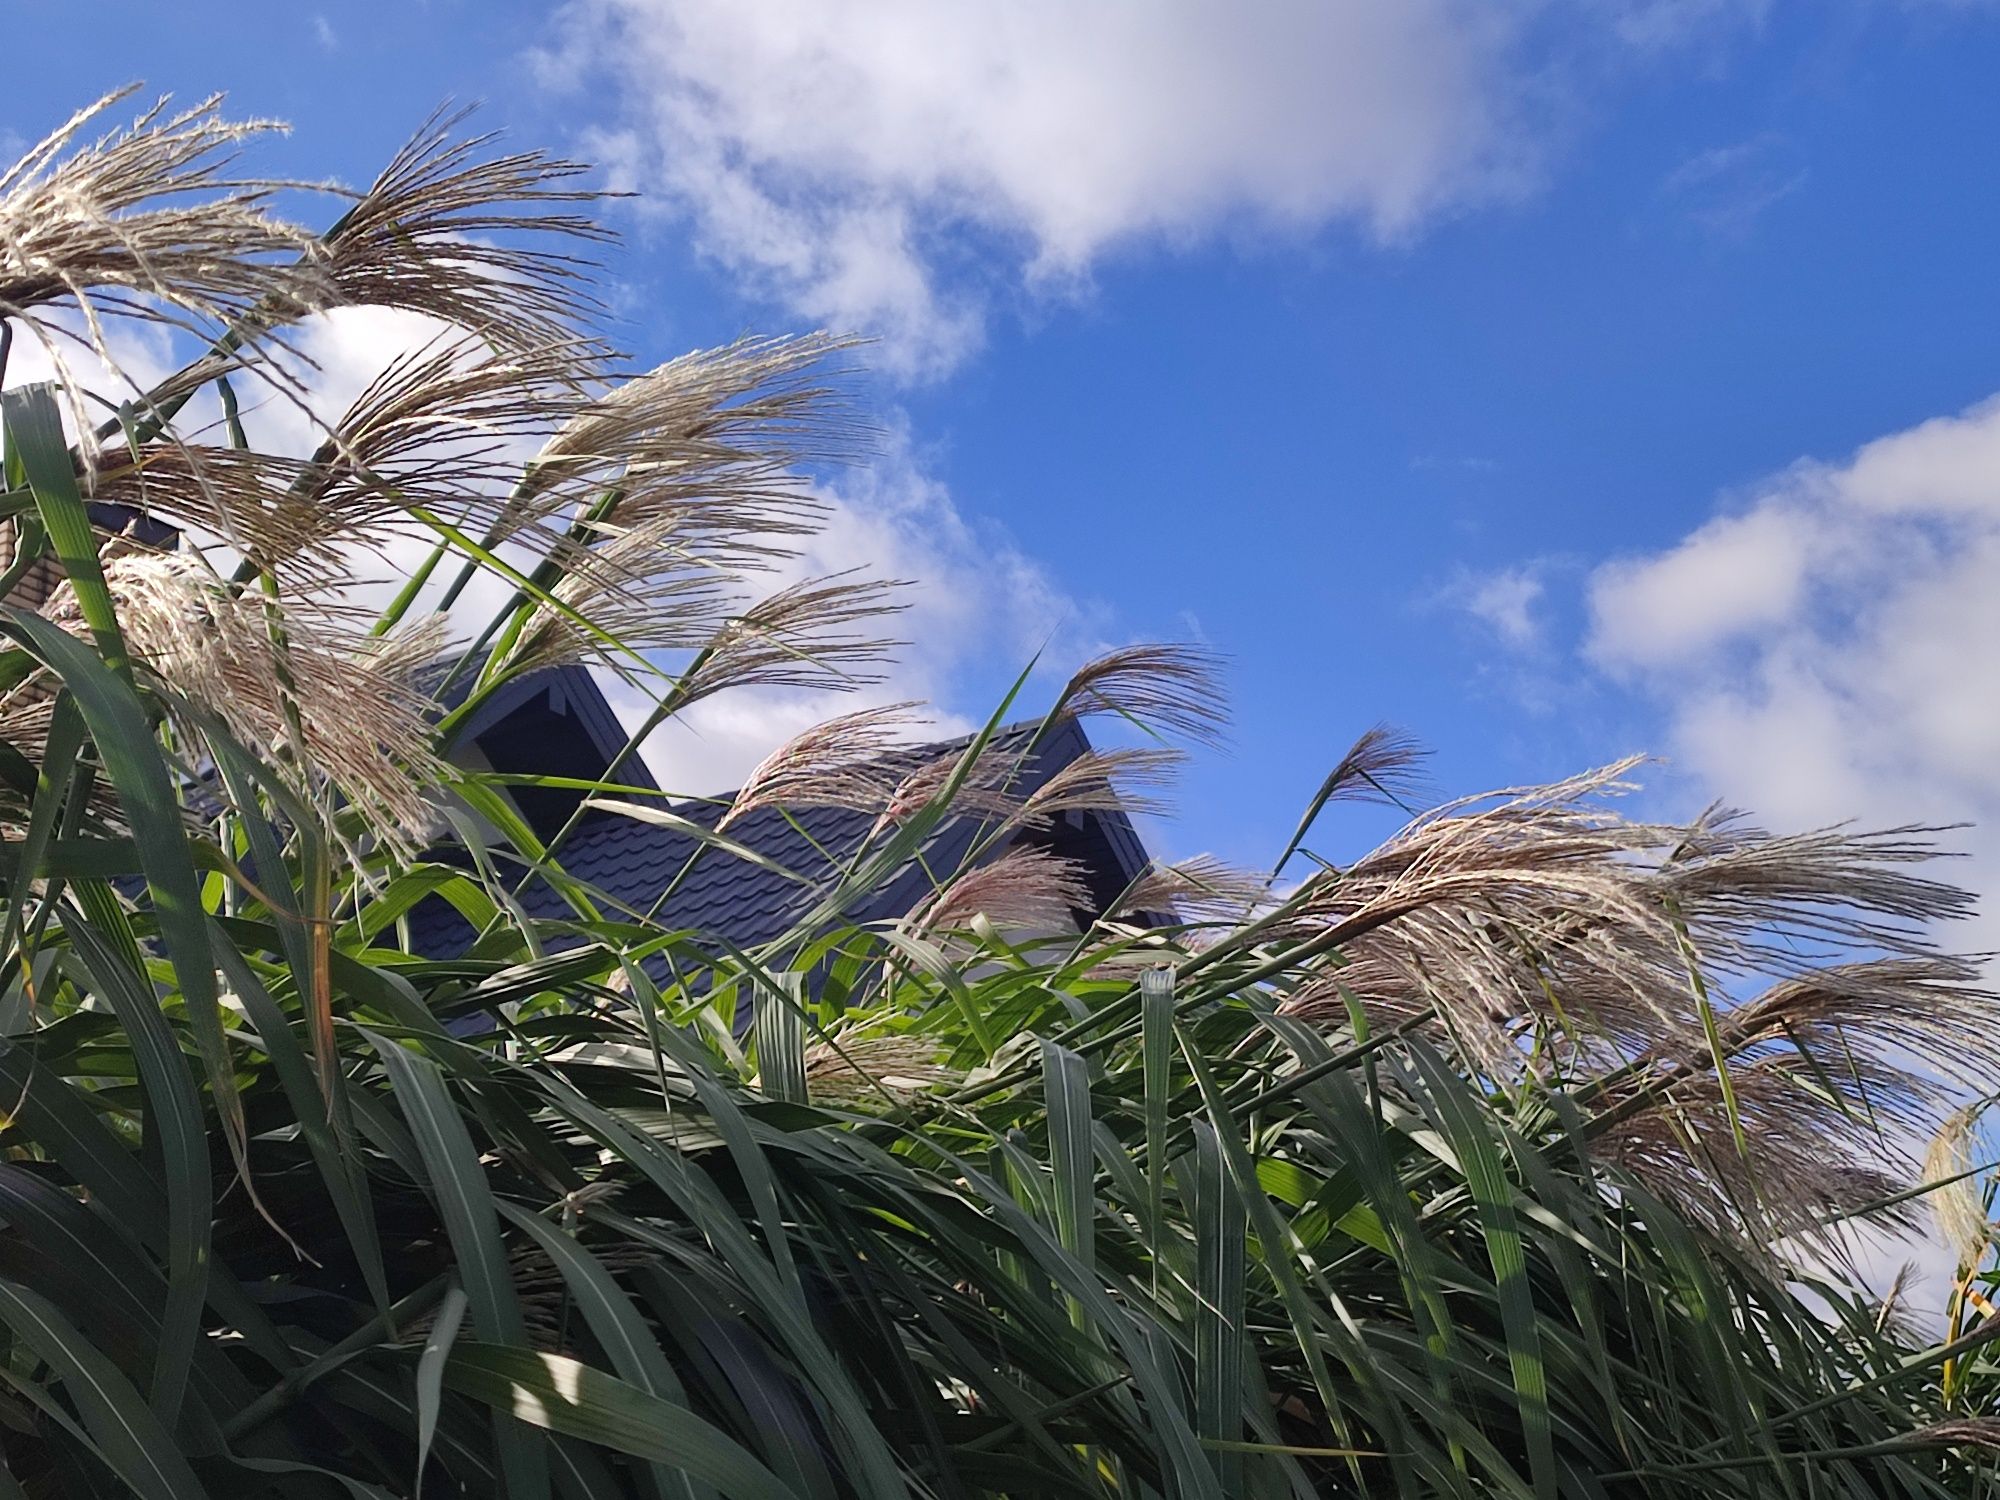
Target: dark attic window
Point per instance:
(537, 739)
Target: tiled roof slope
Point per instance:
(717, 895)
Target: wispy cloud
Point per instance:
(1506, 602)
(1725, 190)
(1462, 463)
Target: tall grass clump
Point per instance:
(1498, 1160)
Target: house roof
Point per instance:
(719, 896)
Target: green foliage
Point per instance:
(1440, 1173)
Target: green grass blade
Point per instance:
(55, 777)
(140, 1451)
(125, 744)
(1156, 1013)
(340, 1168)
(175, 1127)
(781, 1039)
(1458, 1117)
(729, 1120)
(36, 446)
(465, 1203)
(1311, 1332)
(715, 1218)
(1066, 1085)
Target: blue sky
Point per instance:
(1553, 380)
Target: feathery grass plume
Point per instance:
(686, 472)
(1775, 898)
(1023, 888)
(1815, 1154)
(837, 763)
(1163, 689)
(331, 708)
(1539, 916)
(636, 593)
(1892, 1314)
(986, 790)
(146, 222)
(1480, 910)
(713, 438)
(1849, 1059)
(803, 636)
(856, 1071)
(1116, 780)
(1919, 1005)
(447, 426)
(1383, 765)
(1200, 890)
(1543, 913)
(110, 214)
(432, 235)
(1959, 1206)
(443, 428)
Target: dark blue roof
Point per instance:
(717, 895)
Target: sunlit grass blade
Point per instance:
(430, 1375)
(628, 1343)
(1220, 1227)
(781, 1039)
(563, 1395)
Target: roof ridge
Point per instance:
(913, 749)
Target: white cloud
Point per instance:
(1735, 574)
(140, 355)
(829, 152)
(890, 166)
(1826, 652)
